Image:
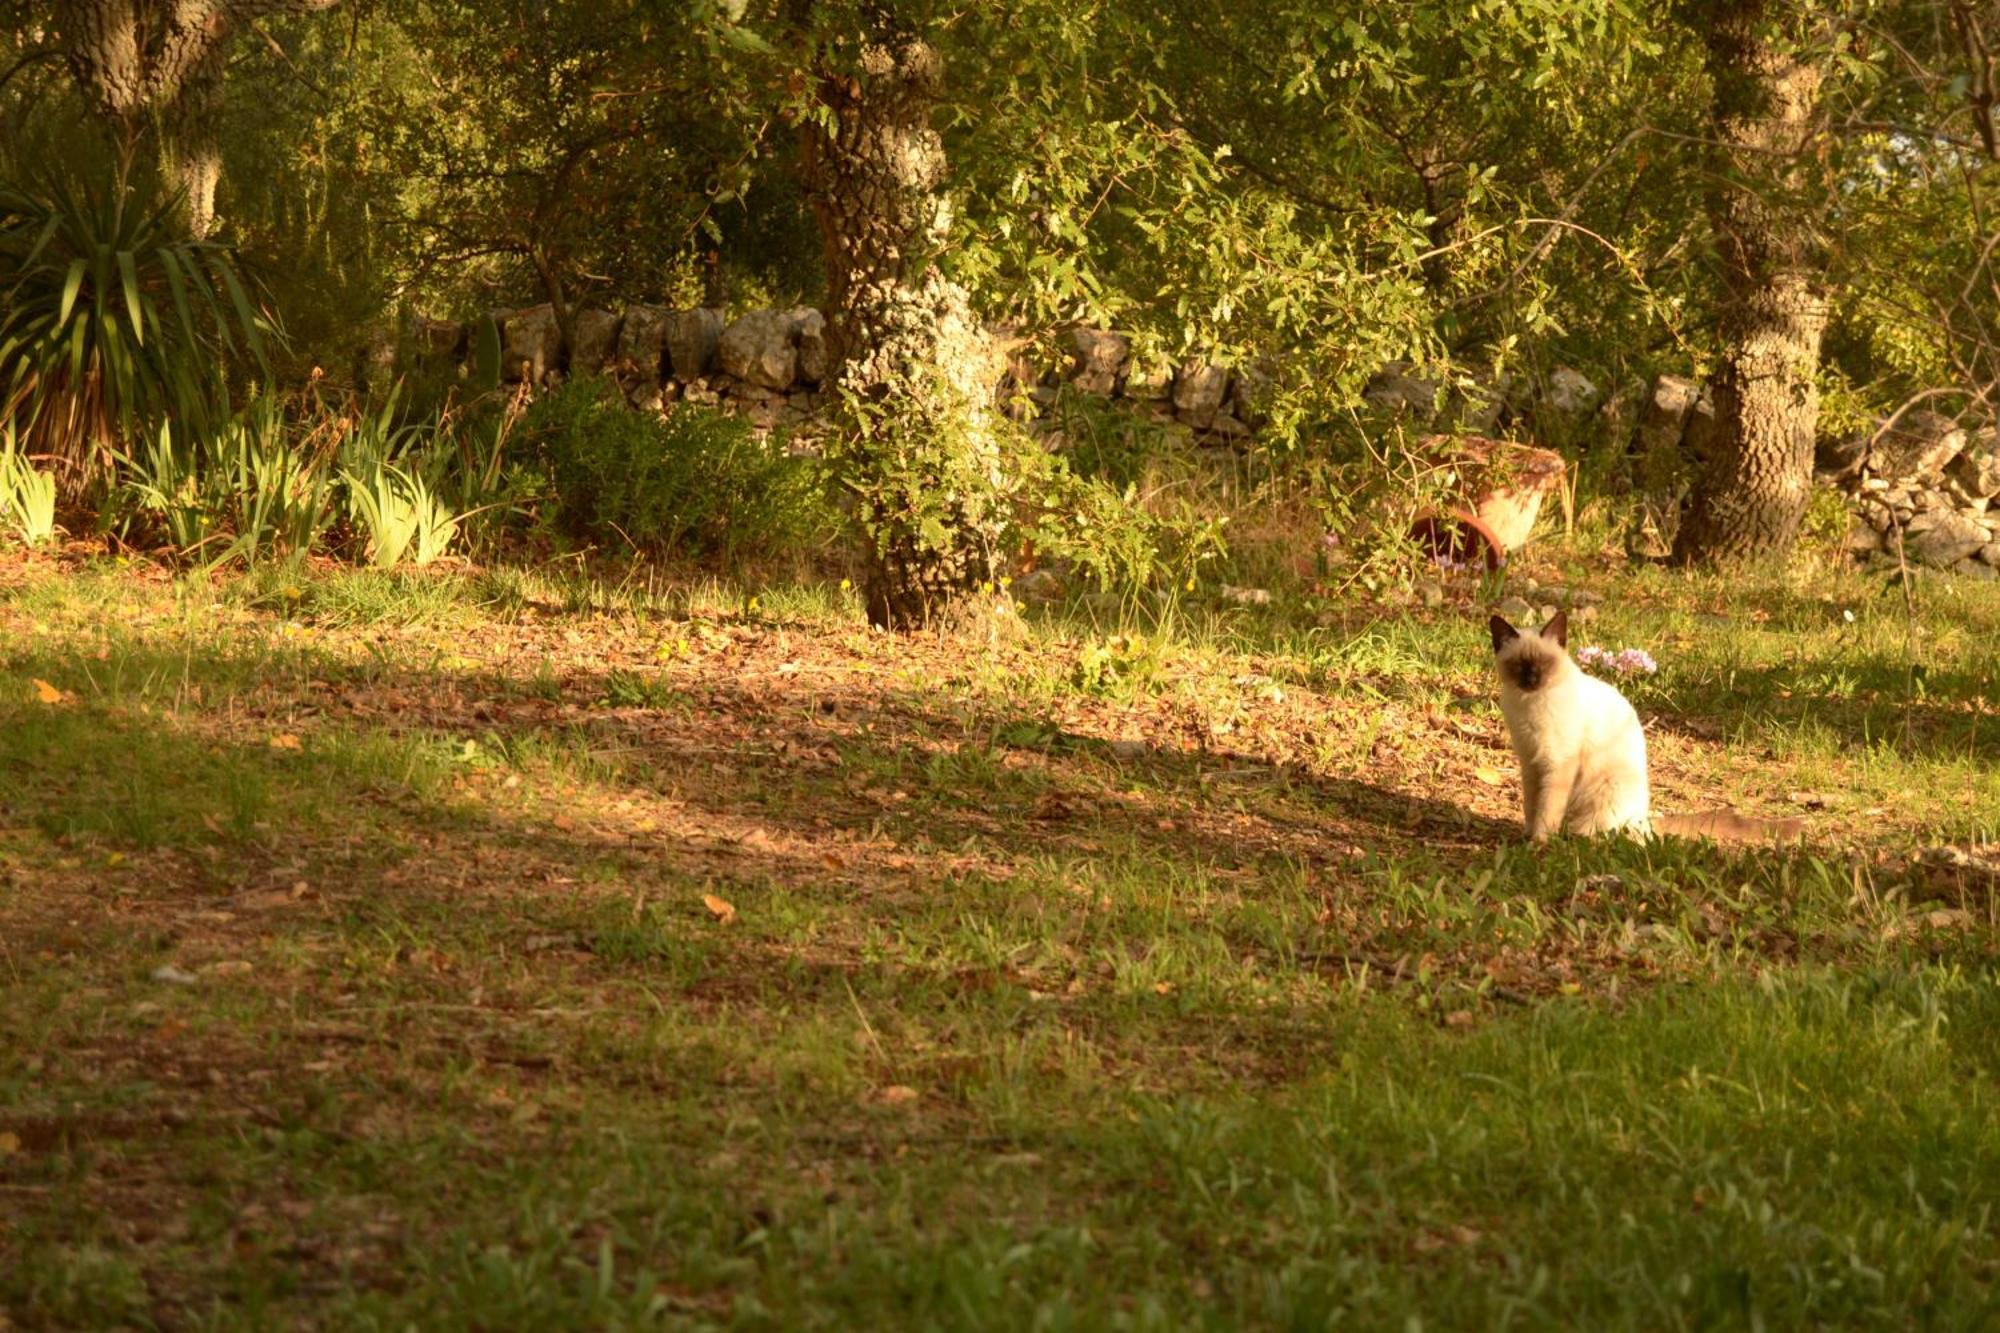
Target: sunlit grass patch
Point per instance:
(542, 952)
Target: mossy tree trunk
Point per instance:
(1753, 475)
(918, 445)
(137, 60)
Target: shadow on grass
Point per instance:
(1872, 699)
(858, 761)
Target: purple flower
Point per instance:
(1624, 662)
(1636, 661)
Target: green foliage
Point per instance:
(486, 354)
(1827, 519)
(1336, 185)
(391, 476)
(276, 482)
(1119, 666)
(1105, 440)
(255, 488)
(286, 477)
(694, 482)
(1108, 534)
(112, 323)
(398, 515)
(27, 496)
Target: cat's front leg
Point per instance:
(1547, 796)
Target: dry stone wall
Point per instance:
(771, 365)
(1923, 482)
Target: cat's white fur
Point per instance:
(1582, 750)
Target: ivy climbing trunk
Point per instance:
(1754, 467)
(918, 444)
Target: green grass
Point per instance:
(583, 955)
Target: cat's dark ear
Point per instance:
(1557, 630)
(1503, 633)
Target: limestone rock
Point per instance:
(1917, 447)
(375, 360)
(1097, 357)
(1961, 498)
(1569, 392)
(1974, 569)
(1251, 393)
(438, 337)
(1862, 537)
(691, 338)
(529, 343)
(1943, 537)
(1665, 413)
(761, 349)
(809, 328)
(1038, 585)
(1976, 470)
(1198, 393)
(642, 337)
(1398, 388)
(1990, 553)
(594, 337)
(1228, 428)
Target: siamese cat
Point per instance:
(1583, 751)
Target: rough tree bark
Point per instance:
(140, 62)
(919, 445)
(1754, 468)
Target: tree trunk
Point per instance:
(918, 445)
(1754, 472)
(134, 60)
(191, 142)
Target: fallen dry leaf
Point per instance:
(722, 909)
(10, 1143)
(284, 740)
(1492, 777)
(49, 694)
(897, 1094)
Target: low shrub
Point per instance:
(694, 482)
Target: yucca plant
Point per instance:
(111, 321)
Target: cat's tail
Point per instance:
(1726, 825)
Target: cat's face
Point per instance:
(1529, 659)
